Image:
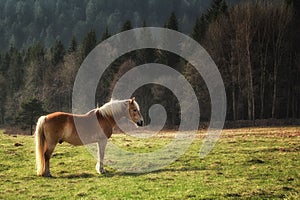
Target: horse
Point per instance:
(96, 126)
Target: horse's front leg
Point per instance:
(101, 149)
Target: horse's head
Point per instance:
(134, 112)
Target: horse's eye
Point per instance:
(134, 110)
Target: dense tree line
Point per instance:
(23, 23)
(254, 44)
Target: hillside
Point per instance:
(24, 22)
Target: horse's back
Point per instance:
(58, 120)
(58, 116)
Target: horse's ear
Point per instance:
(132, 100)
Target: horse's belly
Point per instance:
(70, 136)
(73, 141)
(83, 139)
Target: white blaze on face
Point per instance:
(136, 105)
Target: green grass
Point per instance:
(254, 163)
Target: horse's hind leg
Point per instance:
(48, 153)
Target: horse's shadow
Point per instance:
(112, 173)
(184, 169)
(84, 175)
(81, 175)
(73, 176)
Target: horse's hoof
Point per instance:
(47, 175)
(101, 171)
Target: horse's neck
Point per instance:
(107, 122)
(113, 118)
(111, 121)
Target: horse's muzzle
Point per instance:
(140, 123)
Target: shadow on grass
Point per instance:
(73, 176)
(182, 169)
(112, 173)
(81, 175)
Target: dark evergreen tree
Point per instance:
(5, 63)
(105, 35)
(15, 70)
(144, 23)
(35, 67)
(128, 42)
(30, 111)
(224, 7)
(126, 26)
(199, 28)
(173, 22)
(57, 52)
(168, 58)
(89, 43)
(35, 52)
(73, 45)
(146, 55)
(217, 7)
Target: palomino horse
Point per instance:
(60, 127)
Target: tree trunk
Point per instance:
(238, 100)
(262, 91)
(274, 90)
(233, 104)
(277, 61)
(233, 82)
(251, 108)
(263, 63)
(289, 80)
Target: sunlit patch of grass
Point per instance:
(245, 163)
(139, 145)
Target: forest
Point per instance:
(255, 45)
(23, 23)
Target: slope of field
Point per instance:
(245, 163)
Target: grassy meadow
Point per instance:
(248, 163)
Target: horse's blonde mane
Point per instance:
(113, 108)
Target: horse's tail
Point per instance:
(40, 146)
